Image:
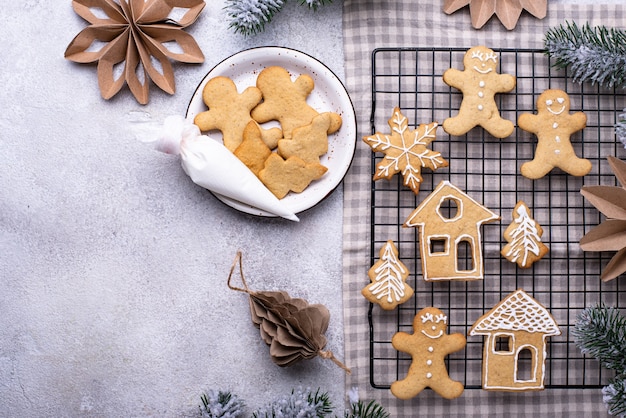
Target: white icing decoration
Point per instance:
(480, 94)
(557, 138)
(525, 237)
(430, 349)
(388, 281)
(555, 125)
(554, 112)
(381, 142)
(481, 83)
(557, 151)
(427, 317)
(517, 312)
(432, 337)
(429, 375)
(441, 318)
(446, 249)
(429, 362)
(561, 100)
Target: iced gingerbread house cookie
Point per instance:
(514, 352)
(449, 224)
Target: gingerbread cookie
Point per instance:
(553, 125)
(428, 346)
(388, 287)
(406, 151)
(479, 82)
(514, 351)
(310, 142)
(229, 111)
(449, 223)
(523, 236)
(293, 174)
(285, 100)
(253, 151)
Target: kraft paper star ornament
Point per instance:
(507, 11)
(610, 235)
(133, 42)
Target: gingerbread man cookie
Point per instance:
(553, 125)
(479, 82)
(285, 100)
(428, 345)
(229, 112)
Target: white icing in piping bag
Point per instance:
(211, 165)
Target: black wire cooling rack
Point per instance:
(565, 281)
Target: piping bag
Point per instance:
(211, 165)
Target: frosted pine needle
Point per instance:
(595, 54)
(249, 17)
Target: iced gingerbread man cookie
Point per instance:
(479, 82)
(428, 345)
(553, 125)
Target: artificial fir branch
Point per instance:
(614, 396)
(314, 4)
(372, 409)
(249, 17)
(300, 403)
(595, 54)
(600, 331)
(219, 404)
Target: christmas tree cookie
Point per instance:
(524, 238)
(388, 276)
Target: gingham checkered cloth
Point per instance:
(370, 24)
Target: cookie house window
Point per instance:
(438, 245)
(449, 208)
(464, 255)
(503, 343)
(525, 371)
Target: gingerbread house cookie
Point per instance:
(449, 223)
(515, 348)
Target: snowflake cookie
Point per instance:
(405, 151)
(388, 275)
(524, 238)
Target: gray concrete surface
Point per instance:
(113, 264)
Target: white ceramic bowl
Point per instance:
(329, 95)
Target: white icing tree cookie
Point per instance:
(524, 238)
(388, 275)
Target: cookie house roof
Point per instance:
(516, 312)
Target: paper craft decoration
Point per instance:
(388, 287)
(507, 11)
(449, 224)
(210, 165)
(523, 235)
(610, 235)
(137, 35)
(428, 346)
(405, 151)
(292, 328)
(514, 352)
